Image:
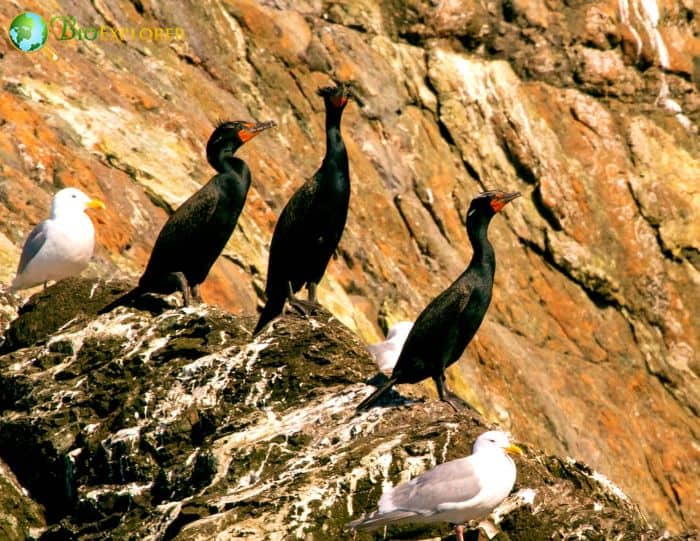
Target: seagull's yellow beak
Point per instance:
(95, 204)
(513, 449)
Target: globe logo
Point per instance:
(28, 32)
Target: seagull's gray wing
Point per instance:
(32, 245)
(452, 482)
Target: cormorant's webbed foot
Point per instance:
(447, 396)
(451, 403)
(305, 308)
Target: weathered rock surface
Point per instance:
(20, 516)
(591, 109)
(176, 425)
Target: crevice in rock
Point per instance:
(192, 61)
(472, 172)
(430, 209)
(114, 161)
(521, 169)
(656, 228)
(238, 262)
(663, 378)
(508, 11)
(445, 131)
(666, 381)
(133, 173)
(544, 210)
(409, 228)
(158, 201)
(692, 255)
(677, 498)
(138, 6)
(663, 484)
(359, 28)
(412, 38)
(577, 118)
(186, 515)
(110, 21)
(599, 299)
(302, 120)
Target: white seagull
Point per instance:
(457, 491)
(387, 353)
(60, 246)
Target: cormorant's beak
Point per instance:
(513, 449)
(95, 204)
(498, 203)
(251, 129)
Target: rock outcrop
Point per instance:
(591, 109)
(175, 424)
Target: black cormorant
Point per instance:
(309, 229)
(445, 327)
(196, 233)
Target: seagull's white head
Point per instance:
(71, 201)
(495, 439)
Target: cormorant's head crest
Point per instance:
(228, 135)
(223, 123)
(337, 95)
(491, 202)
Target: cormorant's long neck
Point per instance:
(483, 256)
(234, 169)
(228, 163)
(335, 147)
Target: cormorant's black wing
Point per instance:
(184, 231)
(290, 232)
(291, 221)
(285, 257)
(32, 245)
(434, 336)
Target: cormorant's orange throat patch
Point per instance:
(339, 101)
(249, 131)
(498, 204)
(245, 135)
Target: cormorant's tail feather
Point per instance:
(371, 399)
(272, 309)
(124, 299)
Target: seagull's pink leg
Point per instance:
(459, 531)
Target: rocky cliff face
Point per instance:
(590, 348)
(164, 423)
